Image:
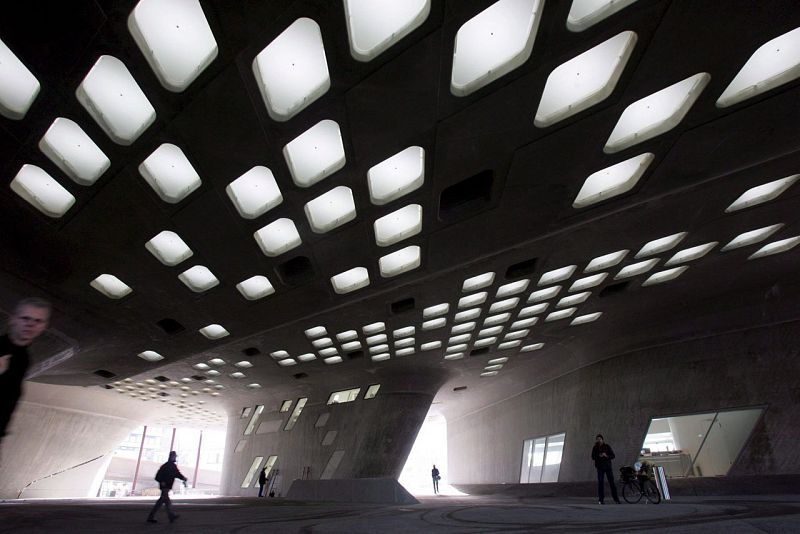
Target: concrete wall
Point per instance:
(617, 397)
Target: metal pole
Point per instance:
(172, 441)
(197, 463)
(138, 460)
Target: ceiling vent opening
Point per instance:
(613, 289)
(164, 394)
(107, 386)
(466, 196)
(161, 378)
(403, 305)
(300, 376)
(522, 268)
(104, 373)
(198, 377)
(251, 351)
(478, 352)
(296, 271)
(171, 326)
(355, 354)
(460, 388)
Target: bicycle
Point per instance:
(637, 484)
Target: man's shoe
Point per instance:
(151, 520)
(173, 518)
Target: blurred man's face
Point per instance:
(26, 324)
(599, 440)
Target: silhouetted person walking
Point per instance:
(435, 476)
(262, 481)
(165, 477)
(28, 321)
(602, 454)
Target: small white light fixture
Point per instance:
(586, 13)
(775, 248)
(519, 334)
(110, 286)
(216, 361)
(375, 349)
(150, 356)
(278, 237)
(169, 173)
(691, 254)
(374, 328)
(198, 278)
(292, 71)
(478, 282)
(237, 375)
(380, 357)
(373, 26)
(472, 300)
(492, 331)
(660, 245)
(775, 63)
(512, 288)
(497, 361)
(286, 362)
(213, 372)
(656, 114)
(588, 318)
(500, 318)
(244, 364)
(255, 287)
(485, 342)
(396, 176)
(322, 342)
(454, 356)
(493, 43)
(330, 351)
(405, 352)
(605, 261)
(463, 338)
(612, 181)
(175, 38)
(560, 314)
(315, 332)
(487, 374)
(332, 360)
(557, 275)
(584, 80)
(434, 323)
(572, 300)
(431, 345)
(254, 193)
(115, 101)
(463, 328)
(403, 332)
(200, 367)
(531, 347)
(279, 354)
(456, 348)
(350, 280)
(41, 191)
(509, 345)
(435, 311)
(315, 154)
(532, 310)
(524, 323)
(406, 342)
(496, 367)
(544, 294)
(751, 237)
(254, 385)
(348, 335)
(168, 248)
(214, 331)
(762, 193)
(67, 145)
(636, 268)
(351, 345)
(664, 276)
(331, 210)
(18, 86)
(588, 281)
(398, 225)
(307, 357)
(376, 339)
(399, 262)
(467, 315)
(504, 305)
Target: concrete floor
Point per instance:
(463, 514)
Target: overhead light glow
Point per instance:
(509, 345)
(398, 225)
(279, 354)
(524, 323)
(216, 361)
(572, 300)
(396, 176)
(351, 345)
(472, 300)
(467, 315)
(493, 367)
(485, 342)
(588, 318)
(586, 13)
(691, 254)
(374, 328)
(292, 71)
(255, 192)
(376, 339)
(636, 268)
(503, 305)
(519, 334)
(350, 280)
(333, 360)
(18, 86)
(557, 275)
(278, 237)
(255, 287)
(493, 43)
(664, 276)
(237, 375)
(315, 154)
(41, 191)
(214, 331)
(660, 245)
(150, 356)
(316, 331)
(751, 237)
(348, 335)
(544, 294)
(406, 342)
(431, 345)
(478, 282)
(585, 80)
(775, 248)
(487, 374)
(561, 314)
(500, 318)
(463, 338)
(434, 323)
(403, 332)
(287, 362)
(322, 342)
(435, 311)
(463, 328)
(512, 288)
(496, 361)
(612, 181)
(198, 278)
(244, 364)
(762, 193)
(331, 210)
(111, 286)
(605, 261)
(373, 26)
(493, 331)
(532, 310)
(405, 352)
(169, 173)
(587, 282)
(380, 357)
(67, 145)
(168, 248)
(330, 351)
(201, 366)
(307, 357)
(454, 356)
(399, 262)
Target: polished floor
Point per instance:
(447, 514)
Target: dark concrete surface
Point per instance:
(464, 514)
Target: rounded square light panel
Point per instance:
(214, 331)
(396, 176)
(255, 287)
(18, 86)
(198, 278)
(278, 237)
(398, 225)
(373, 26)
(110, 286)
(255, 192)
(350, 280)
(169, 248)
(169, 173)
(331, 210)
(150, 356)
(41, 191)
(73, 151)
(399, 262)
(315, 154)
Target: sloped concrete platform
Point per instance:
(729, 515)
(358, 490)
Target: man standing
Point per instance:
(165, 477)
(435, 476)
(29, 320)
(262, 481)
(602, 454)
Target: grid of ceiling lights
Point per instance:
(174, 393)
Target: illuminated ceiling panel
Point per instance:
(612, 181)
(398, 225)
(350, 280)
(169, 248)
(110, 286)
(67, 145)
(198, 278)
(41, 191)
(331, 210)
(586, 13)
(315, 154)
(255, 192)
(751, 237)
(775, 248)
(399, 262)
(255, 287)
(373, 26)
(278, 237)
(169, 173)
(18, 86)
(762, 193)
(396, 176)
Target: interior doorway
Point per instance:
(430, 448)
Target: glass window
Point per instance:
(346, 395)
(552, 458)
(253, 420)
(248, 478)
(330, 435)
(298, 409)
(322, 420)
(372, 391)
(285, 405)
(246, 412)
(333, 464)
(240, 445)
(270, 463)
(541, 459)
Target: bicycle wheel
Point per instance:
(631, 492)
(651, 492)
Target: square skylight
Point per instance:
(18, 86)
(586, 13)
(376, 339)
(557, 275)
(589, 281)
(493, 43)
(175, 38)
(41, 191)
(472, 300)
(396, 176)
(307, 357)
(315, 154)
(292, 71)
(398, 225)
(478, 282)
(467, 315)
(399, 262)
(605, 261)
(584, 80)
(169, 173)
(512, 288)
(560, 314)
(762, 193)
(435, 311)
(524, 323)
(493, 331)
(656, 114)
(691, 254)
(503, 305)
(431, 345)
(454, 356)
(67, 145)
(434, 323)
(168, 248)
(150, 356)
(287, 362)
(322, 342)
(463, 327)
(115, 101)
(636, 268)
(374, 328)
(775, 248)
(485, 342)
(775, 63)
(380, 357)
(500, 318)
(519, 334)
(406, 342)
(531, 347)
(612, 181)
(331, 209)
(544, 294)
(348, 335)
(572, 300)
(660, 245)
(536, 309)
(508, 345)
(214, 331)
(255, 287)
(373, 27)
(752, 237)
(403, 332)
(255, 192)
(462, 338)
(198, 278)
(278, 237)
(333, 360)
(351, 345)
(405, 352)
(350, 280)
(664, 276)
(315, 332)
(110, 286)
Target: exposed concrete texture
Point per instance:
(618, 396)
(364, 490)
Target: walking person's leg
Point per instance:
(601, 494)
(610, 475)
(152, 517)
(168, 504)
(261, 490)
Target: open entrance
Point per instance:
(430, 448)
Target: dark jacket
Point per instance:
(262, 477)
(167, 474)
(11, 380)
(601, 462)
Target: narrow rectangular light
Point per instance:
(467, 315)
(434, 323)
(503, 305)
(664, 276)
(431, 345)
(557, 275)
(532, 310)
(322, 342)
(403, 332)
(462, 328)
(524, 323)
(775, 248)
(531, 347)
(605, 261)
(512, 288)
(485, 342)
(661, 245)
(73, 151)
(435, 311)
(636, 268)
(587, 282)
(405, 342)
(572, 300)
(588, 318)
(315, 332)
(348, 335)
(509, 344)
(500, 318)
(374, 328)
(752, 237)
(41, 191)
(18, 86)
(544, 294)
(691, 254)
(561, 314)
(478, 282)
(762, 193)
(472, 300)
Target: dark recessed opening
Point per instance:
(355, 354)
(521, 269)
(104, 373)
(170, 326)
(164, 394)
(613, 289)
(466, 196)
(198, 377)
(108, 386)
(161, 378)
(460, 388)
(296, 271)
(251, 351)
(403, 305)
(300, 375)
(478, 352)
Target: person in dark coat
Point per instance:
(262, 481)
(165, 477)
(602, 454)
(435, 476)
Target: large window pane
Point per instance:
(298, 409)
(253, 420)
(347, 395)
(552, 458)
(248, 478)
